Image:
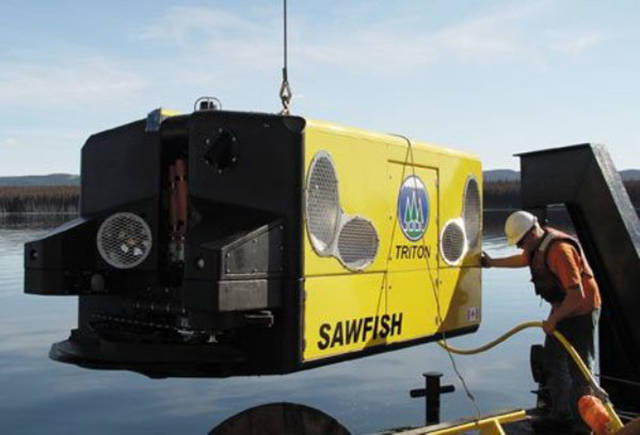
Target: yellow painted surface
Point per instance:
(462, 290)
(397, 242)
(361, 169)
(484, 426)
(405, 275)
(168, 112)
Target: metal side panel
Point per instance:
(584, 178)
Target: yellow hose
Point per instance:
(616, 423)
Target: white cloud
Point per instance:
(404, 44)
(486, 37)
(205, 47)
(575, 43)
(228, 41)
(69, 80)
(215, 37)
(8, 142)
(184, 24)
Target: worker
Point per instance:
(561, 276)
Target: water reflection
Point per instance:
(34, 220)
(366, 395)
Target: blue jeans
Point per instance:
(565, 382)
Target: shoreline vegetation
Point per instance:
(505, 195)
(498, 195)
(39, 199)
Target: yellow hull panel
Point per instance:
(395, 298)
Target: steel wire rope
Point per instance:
(285, 90)
(436, 295)
(393, 234)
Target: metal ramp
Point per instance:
(584, 179)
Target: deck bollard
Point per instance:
(432, 392)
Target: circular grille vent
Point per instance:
(357, 243)
(124, 240)
(453, 243)
(322, 203)
(472, 213)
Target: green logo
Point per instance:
(413, 208)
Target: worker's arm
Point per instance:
(564, 263)
(569, 306)
(518, 260)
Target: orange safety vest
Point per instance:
(547, 285)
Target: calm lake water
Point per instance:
(366, 395)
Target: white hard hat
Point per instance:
(517, 225)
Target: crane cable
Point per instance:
(598, 391)
(285, 90)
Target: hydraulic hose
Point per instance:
(616, 423)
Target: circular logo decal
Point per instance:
(413, 208)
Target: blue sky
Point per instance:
(493, 78)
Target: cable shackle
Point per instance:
(285, 93)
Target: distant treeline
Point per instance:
(39, 199)
(64, 199)
(506, 194)
(501, 194)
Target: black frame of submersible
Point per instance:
(194, 128)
